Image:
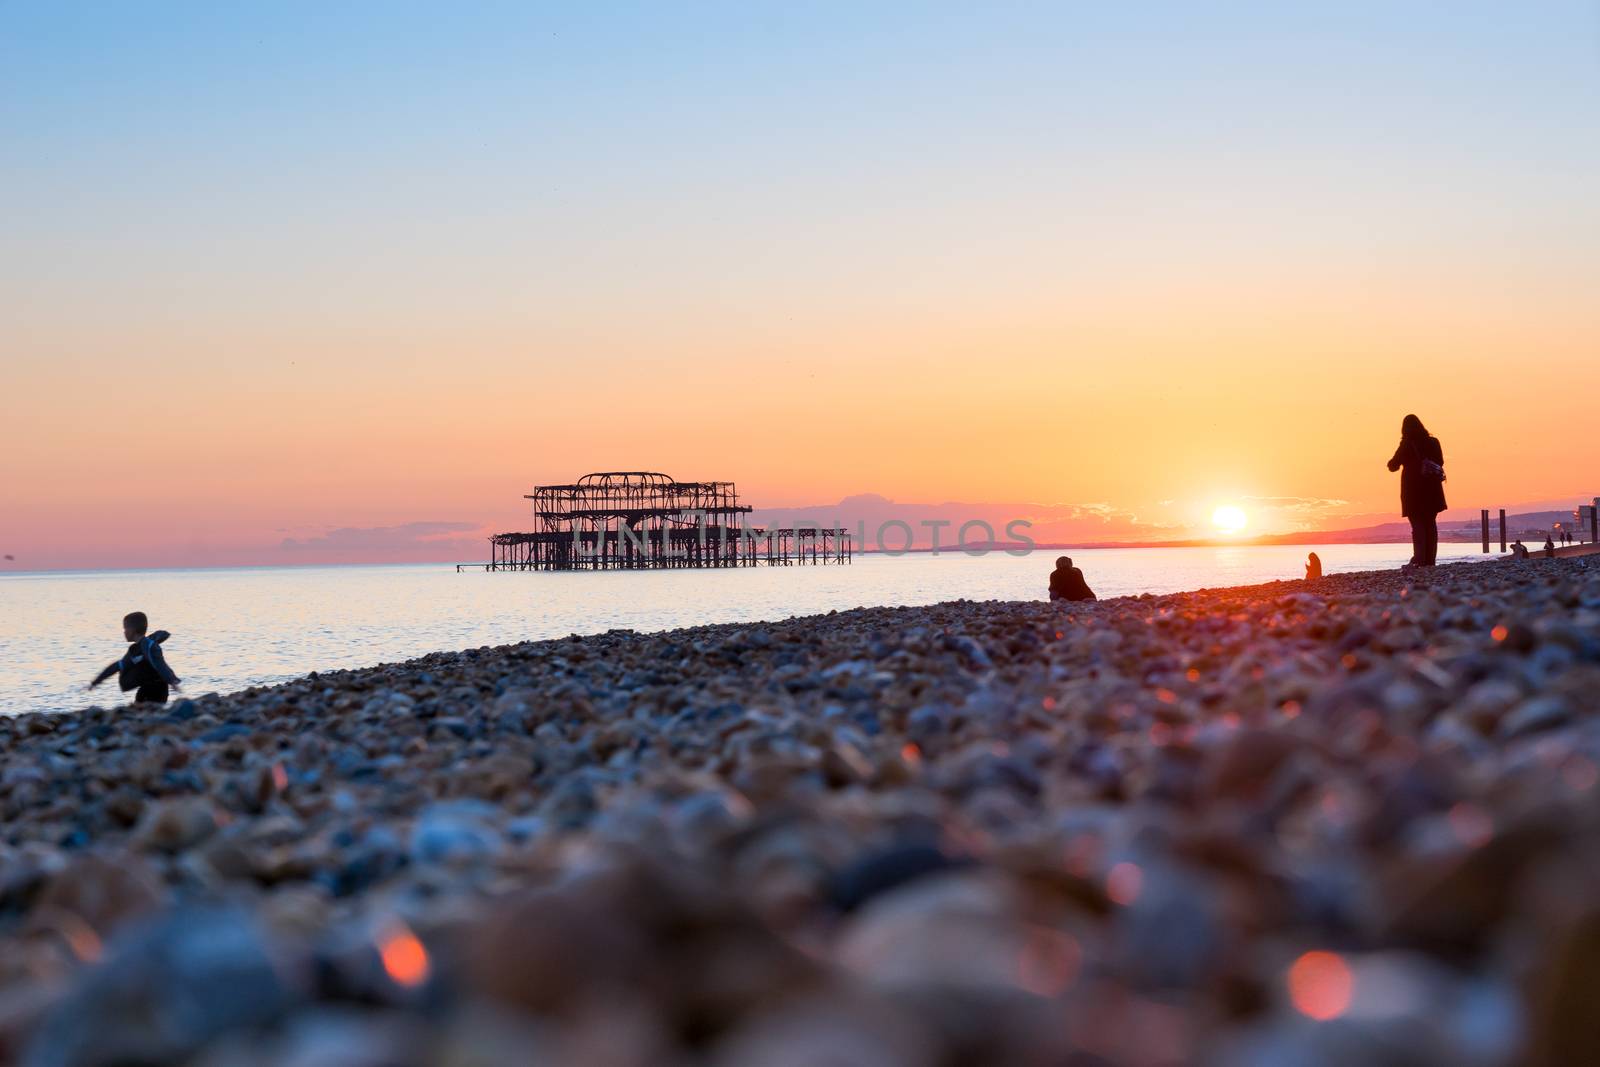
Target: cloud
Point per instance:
(1059, 521)
(410, 535)
(1124, 519)
(1297, 503)
(1061, 510)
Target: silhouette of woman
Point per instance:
(1313, 566)
(1420, 461)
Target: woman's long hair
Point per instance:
(1411, 429)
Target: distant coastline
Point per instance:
(1526, 525)
(1219, 542)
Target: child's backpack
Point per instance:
(136, 670)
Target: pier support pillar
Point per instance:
(1486, 530)
(1502, 529)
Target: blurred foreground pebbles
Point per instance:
(1351, 823)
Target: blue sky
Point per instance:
(318, 231)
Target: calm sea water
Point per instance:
(236, 627)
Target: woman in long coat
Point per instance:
(1420, 461)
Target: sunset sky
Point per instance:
(303, 281)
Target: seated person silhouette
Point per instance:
(1066, 582)
(1549, 547)
(1313, 566)
(1518, 549)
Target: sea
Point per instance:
(243, 626)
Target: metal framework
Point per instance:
(647, 520)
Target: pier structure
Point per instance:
(645, 520)
(1584, 528)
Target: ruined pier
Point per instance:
(645, 520)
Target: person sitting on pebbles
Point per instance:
(1518, 549)
(1066, 582)
(1313, 566)
(143, 667)
(1549, 547)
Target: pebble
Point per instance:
(1532, 716)
(175, 825)
(170, 988)
(1288, 823)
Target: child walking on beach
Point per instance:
(143, 668)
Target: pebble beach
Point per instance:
(1354, 821)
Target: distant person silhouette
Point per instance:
(143, 668)
(1518, 549)
(1313, 567)
(1420, 460)
(1549, 547)
(1066, 582)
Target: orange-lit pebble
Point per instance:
(1166, 696)
(1499, 633)
(404, 958)
(1124, 882)
(80, 937)
(1581, 774)
(1048, 962)
(1290, 708)
(1193, 674)
(1059, 635)
(280, 777)
(910, 752)
(1471, 824)
(1320, 985)
(1349, 660)
(1049, 703)
(1082, 854)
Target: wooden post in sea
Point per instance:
(1485, 530)
(1594, 521)
(1502, 529)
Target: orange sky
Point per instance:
(235, 323)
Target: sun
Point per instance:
(1229, 519)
